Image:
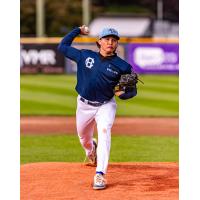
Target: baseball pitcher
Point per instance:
(100, 76)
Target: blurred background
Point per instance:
(52, 18)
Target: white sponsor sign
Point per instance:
(34, 57)
(152, 57)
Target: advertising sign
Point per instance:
(41, 58)
(154, 58)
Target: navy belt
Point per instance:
(96, 104)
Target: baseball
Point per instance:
(86, 29)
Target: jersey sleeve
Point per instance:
(129, 94)
(66, 48)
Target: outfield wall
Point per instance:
(146, 55)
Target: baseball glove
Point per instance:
(127, 82)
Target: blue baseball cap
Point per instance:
(109, 31)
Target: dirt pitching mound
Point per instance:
(61, 181)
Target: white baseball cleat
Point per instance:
(91, 160)
(99, 182)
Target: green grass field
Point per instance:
(66, 148)
(56, 95)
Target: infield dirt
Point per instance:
(122, 125)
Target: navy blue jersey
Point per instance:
(96, 75)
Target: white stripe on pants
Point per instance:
(86, 116)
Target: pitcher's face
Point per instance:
(108, 45)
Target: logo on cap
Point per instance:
(113, 31)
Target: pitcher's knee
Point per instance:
(104, 129)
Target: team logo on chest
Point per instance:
(89, 62)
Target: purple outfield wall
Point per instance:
(151, 58)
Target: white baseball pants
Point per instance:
(104, 116)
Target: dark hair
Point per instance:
(98, 45)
